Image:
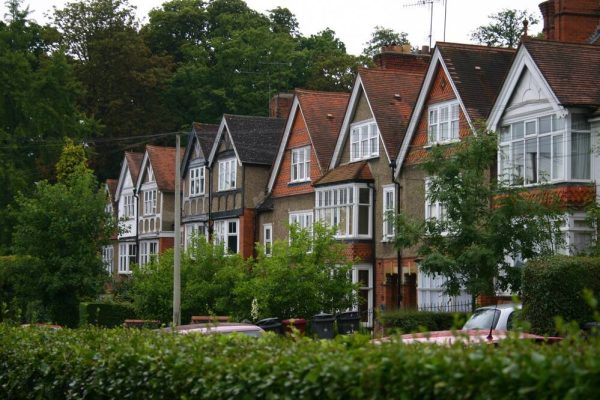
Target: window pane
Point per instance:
(518, 163)
(443, 114)
(518, 130)
(443, 131)
(505, 133)
(363, 220)
(454, 130)
(557, 157)
(558, 124)
(580, 155)
(545, 124)
(530, 128)
(363, 277)
(531, 161)
(545, 158)
(504, 167)
(363, 194)
(232, 244)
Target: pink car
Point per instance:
(224, 328)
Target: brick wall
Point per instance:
(165, 243)
(570, 20)
(360, 250)
(247, 233)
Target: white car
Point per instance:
(499, 318)
(223, 328)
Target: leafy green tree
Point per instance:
(38, 108)
(384, 37)
(63, 225)
(284, 21)
(505, 30)
(485, 221)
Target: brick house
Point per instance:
(195, 211)
(155, 190)
(459, 90)
(125, 198)
(238, 166)
(358, 192)
(110, 251)
(547, 115)
(303, 157)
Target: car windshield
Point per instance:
(485, 318)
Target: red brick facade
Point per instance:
(246, 237)
(165, 243)
(573, 21)
(360, 250)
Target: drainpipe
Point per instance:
(398, 253)
(137, 227)
(373, 256)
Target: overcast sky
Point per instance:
(353, 20)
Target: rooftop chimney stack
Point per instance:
(401, 57)
(280, 105)
(573, 21)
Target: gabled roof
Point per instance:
(132, 162)
(475, 75)
(323, 113)
(353, 172)
(162, 160)
(571, 69)
(255, 139)
(391, 94)
(111, 186)
(204, 135)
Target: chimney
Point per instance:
(572, 21)
(280, 105)
(401, 58)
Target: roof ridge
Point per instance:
(250, 116)
(474, 46)
(391, 71)
(321, 92)
(556, 42)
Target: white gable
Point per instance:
(528, 97)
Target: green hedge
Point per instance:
(554, 287)
(409, 321)
(105, 314)
(106, 364)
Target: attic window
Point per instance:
(364, 140)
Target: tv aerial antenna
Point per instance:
(419, 3)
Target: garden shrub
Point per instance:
(554, 286)
(19, 300)
(101, 364)
(105, 314)
(408, 321)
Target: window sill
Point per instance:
(193, 196)
(298, 183)
(430, 145)
(550, 183)
(352, 160)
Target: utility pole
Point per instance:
(177, 255)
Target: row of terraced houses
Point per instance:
(348, 159)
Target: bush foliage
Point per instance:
(555, 286)
(415, 321)
(98, 364)
(105, 314)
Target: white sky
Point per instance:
(354, 20)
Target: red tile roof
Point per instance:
(571, 69)
(162, 160)
(478, 73)
(392, 95)
(323, 113)
(111, 184)
(134, 163)
(353, 172)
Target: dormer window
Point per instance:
(300, 171)
(364, 140)
(150, 202)
(227, 174)
(196, 181)
(443, 122)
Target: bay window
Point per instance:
(226, 232)
(443, 122)
(300, 165)
(536, 151)
(364, 140)
(127, 257)
(347, 207)
(227, 174)
(147, 250)
(196, 181)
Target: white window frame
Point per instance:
(150, 201)
(433, 209)
(388, 208)
(443, 115)
(127, 254)
(128, 206)
(192, 230)
(197, 181)
(300, 165)
(364, 140)
(369, 289)
(227, 174)
(148, 249)
(304, 219)
(107, 258)
(431, 296)
(222, 233)
(268, 239)
(340, 206)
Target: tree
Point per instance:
(486, 223)
(382, 37)
(64, 226)
(505, 30)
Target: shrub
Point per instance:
(105, 314)
(408, 321)
(554, 287)
(19, 300)
(99, 363)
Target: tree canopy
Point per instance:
(505, 29)
(384, 37)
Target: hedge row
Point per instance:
(131, 364)
(107, 315)
(414, 321)
(555, 286)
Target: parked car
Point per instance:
(225, 328)
(500, 317)
(471, 336)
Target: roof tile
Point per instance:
(357, 171)
(256, 139)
